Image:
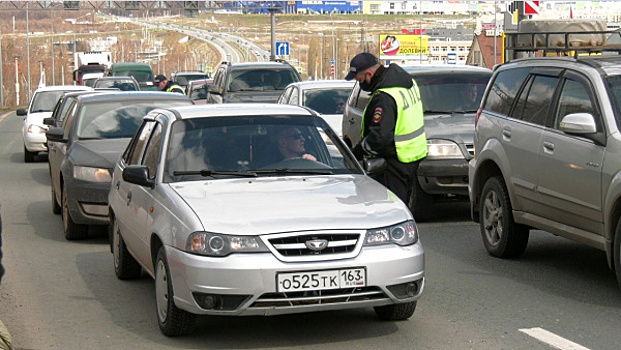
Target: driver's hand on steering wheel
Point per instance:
(309, 157)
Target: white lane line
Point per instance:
(552, 339)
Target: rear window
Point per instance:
(445, 93)
(504, 89)
(261, 79)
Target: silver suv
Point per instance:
(451, 96)
(548, 155)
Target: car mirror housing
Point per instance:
(374, 165)
(214, 89)
(55, 135)
(578, 123)
(138, 174)
(22, 112)
(48, 121)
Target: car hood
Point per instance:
(269, 96)
(102, 153)
(294, 203)
(458, 127)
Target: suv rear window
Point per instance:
(504, 89)
(465, 91)
(260, 79)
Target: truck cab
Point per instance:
(142, 72)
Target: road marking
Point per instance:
(552, 339)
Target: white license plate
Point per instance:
(321, 280)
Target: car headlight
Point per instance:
(443, 149)
(214, 244)
(402, 234)
(36, 129)
(92, 174)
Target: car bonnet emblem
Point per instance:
(316, 244)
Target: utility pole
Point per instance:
(272, 33)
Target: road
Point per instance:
(64, 295)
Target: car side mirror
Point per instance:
(138, 174)
(22, 112)
(374, 165)
(49, 121)
(214, 89)
(55, 135)
(578, 123)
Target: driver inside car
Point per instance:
(291, 144)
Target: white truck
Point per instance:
(90, 65)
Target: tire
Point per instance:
(396, 312)
(125, 266)
(72, 230)
(502, 237)
(420, 204)
(172, 320)
(29, 157)
(616, 259)
(56, 208)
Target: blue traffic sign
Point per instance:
(282, 48)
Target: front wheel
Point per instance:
(396, 312)
(72, 230)
(29, 157)
(172, 320)
(502, 237)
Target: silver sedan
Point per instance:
(258, 209)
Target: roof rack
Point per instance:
(564, 43)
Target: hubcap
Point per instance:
(161, 291)
(492, 218)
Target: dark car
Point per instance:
(251, 82)
(123, 83)
(197, 90)
(451, 96)
(184, 77)
(94, 133)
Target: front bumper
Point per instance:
(444, 177)
(88, 202)
(249, 281)
(35, 142)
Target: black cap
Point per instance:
(359, 63)
(159, 79)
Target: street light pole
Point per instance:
(272, 33)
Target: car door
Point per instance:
(352, 115)
(521, 134)
(58, 152)
(570, 166)
(130, 217)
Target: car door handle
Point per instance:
(351, 120)
(129, 197)
(549, 146)
(506, 133)
(118, 185)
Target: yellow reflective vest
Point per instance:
(410, 140)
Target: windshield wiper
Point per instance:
(295, 171)
(207, 172)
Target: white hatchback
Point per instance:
(41, 106)
(258, 209)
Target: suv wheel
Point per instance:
(617, 253)
(503, 238)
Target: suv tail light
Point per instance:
(476, 119)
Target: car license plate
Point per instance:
(321, 280)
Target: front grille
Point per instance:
(337, 243)
(321, 297)
(470, 148)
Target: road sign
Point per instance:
(531, 7)
(451, 58)
(282, 48)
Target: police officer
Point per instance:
(392, 122)
(169, 86)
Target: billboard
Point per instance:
(399, 46)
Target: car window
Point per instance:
(260, 79)
(151, 155)
(184, 79)
(465, 90)
(64, 108)
(574, 98)
(133, 155)
(613, 84)
(258, 144)
(44, 101)
(326, 101)
(535, 100)
(504, 89)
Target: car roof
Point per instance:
(129, 95)
(444, 68)
(605, 64)
(268, 64)
(236, 109)
(189, 72)
(319, 84)
(117, 77)
(63, 88)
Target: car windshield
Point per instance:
(115, 119)
(255, 146)
(451, 93)
(327, 101)
(45, 101)
(260, 79)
